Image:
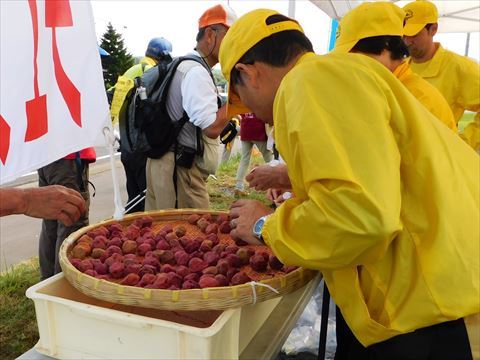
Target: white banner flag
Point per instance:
(52, 97)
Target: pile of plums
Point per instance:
(169, 258)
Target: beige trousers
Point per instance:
(191, 188)
(472, 323)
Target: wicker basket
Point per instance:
(217, 298)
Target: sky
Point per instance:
(139, 21)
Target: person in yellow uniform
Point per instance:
(456, 77)
(376, 30)
(397, 250)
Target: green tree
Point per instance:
(119, 60)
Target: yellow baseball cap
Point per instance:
(418, 14)
(246, 32)
(368, 20)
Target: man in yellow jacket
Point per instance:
(376, 30)
(457, 77)
(372, 210)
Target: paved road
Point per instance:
(19, 234)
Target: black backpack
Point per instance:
(147, 128)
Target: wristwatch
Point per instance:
(258, 227)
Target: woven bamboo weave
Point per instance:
(217, 298)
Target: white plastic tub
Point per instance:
(74, 326)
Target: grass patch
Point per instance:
(466, 119)
(222, 189)
(18, 326)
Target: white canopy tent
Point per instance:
(454, 15)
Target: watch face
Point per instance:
(257, 229)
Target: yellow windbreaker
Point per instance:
(427, 94)
(386, 197)
(138, 69)
(458, 79)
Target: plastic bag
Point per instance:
(305, 336)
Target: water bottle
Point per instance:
(142, 92)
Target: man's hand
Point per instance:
(278, 196)
(54, 202)
(244, 214)
(265, 177)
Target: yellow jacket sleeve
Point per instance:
(344, 173)
(471, 134)
(469, 86)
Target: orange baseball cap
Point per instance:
(218, 14)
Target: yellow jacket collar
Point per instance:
(148, 61)
(305, 56)
(403, 71)
(435, 63)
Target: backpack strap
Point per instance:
(185, 118)
(172, 68)
(166, 82)
(80, 168)
(175, 177)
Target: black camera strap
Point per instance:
(175, 152)
(80, 164)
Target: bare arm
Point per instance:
(214, 130)
(53, 202)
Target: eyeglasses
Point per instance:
(219, 28)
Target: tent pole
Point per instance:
(119, 210)
(333, 34)
(291, 8)
(467, 44)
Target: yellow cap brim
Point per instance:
(344, 48)
(235, 105)
(412, 29)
